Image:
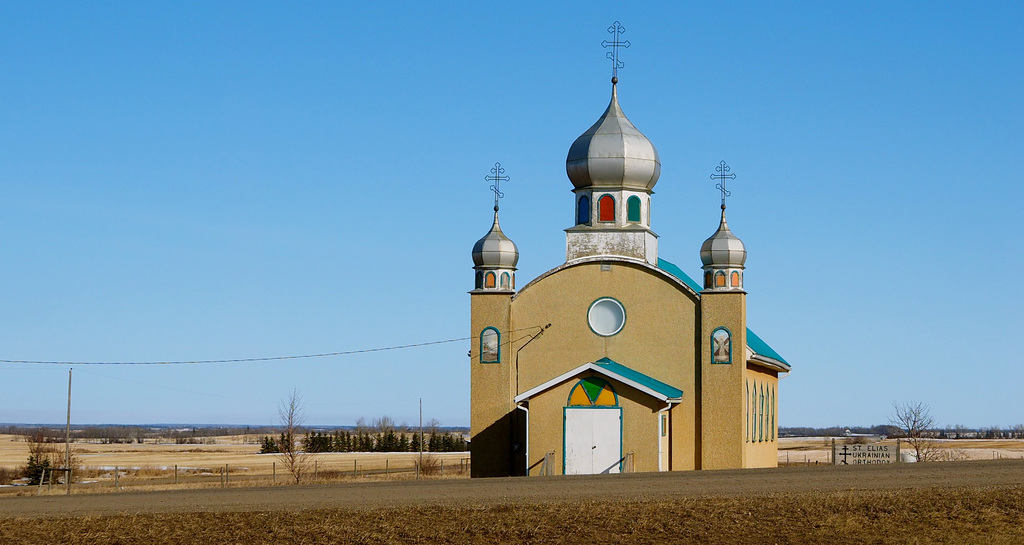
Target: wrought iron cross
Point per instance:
(496, 177)
(723, 174)
(615, 44)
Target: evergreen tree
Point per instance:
(268, 445)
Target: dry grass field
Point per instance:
(152, 465)
(966, 502)
(979, 501)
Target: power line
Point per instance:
(251, 360)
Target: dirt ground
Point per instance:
(942, 502)
(658, 486)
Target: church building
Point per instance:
(616, 360)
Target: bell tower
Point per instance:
(491, 378)
(723, 313)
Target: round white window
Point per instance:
(606, 317)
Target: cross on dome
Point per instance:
(723, 174)
(496, 177)
(615, 29)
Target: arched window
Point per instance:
(707, 280)
(504, 280)
(490, 345)
(746, 434)
(633, 209)
(754, 413)
(760, 419)
(721, 346)
(593, 391)
(735, 279)
(489, 280)
(606, 208)
(583, 210)
(513, 280)
(479, 280)
(719, 279)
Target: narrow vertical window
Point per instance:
(633, 209)
(505, 281)
(760, 423)
(707, 280)
(583, 210)
(719, 279)
(490, 345)
(606, 208)
(513, 280)
(746, 432)
(754, 413)
(735, 279)
(479, 280)
(489, 280)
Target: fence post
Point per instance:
(222, 477)
(386, 468)
(227, 474)
(355, 470)
(274, 469)
(315, 468)
(116, 475)
(42, 478)
(442, 467)
(175, 474)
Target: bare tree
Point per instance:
(292, 418)
(914, 419)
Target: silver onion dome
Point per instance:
(495, 249)
(613, 154)
(723, 249)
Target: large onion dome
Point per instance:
(723, 249)
(613, 154)
(495, 249)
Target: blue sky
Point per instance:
(184, 181)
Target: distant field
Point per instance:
(151, 465)
(967, 502)
(795, 450)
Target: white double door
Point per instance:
(593, 440)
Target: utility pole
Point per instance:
(67, 439)
(420, 467)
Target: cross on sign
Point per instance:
(844, 454)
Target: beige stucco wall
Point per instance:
(666, 336)
(491, 389)
(762, 449)
(658, 339)
(721, 397)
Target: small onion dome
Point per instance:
(613, 154)
(723, 249)
(495, 249)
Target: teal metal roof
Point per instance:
(753, 341)
(640, 378)
(678, 273)
(760, 347)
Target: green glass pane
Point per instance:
(593, 387)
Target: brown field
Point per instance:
(151, 465)
(804, 502)
(946, 502)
